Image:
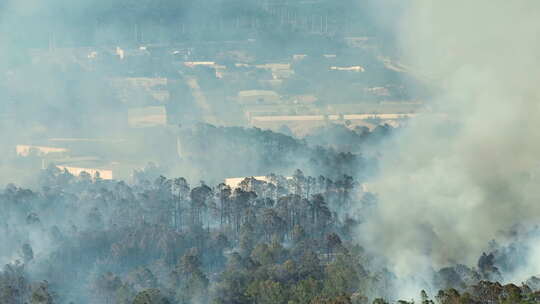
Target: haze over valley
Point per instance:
(269, 152)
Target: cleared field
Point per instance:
(302, 128)
(147, 117)
(331, 117)
(394, 107)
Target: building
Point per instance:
(234, 182)
(105, 174)
(354, 68)
(92, 165)
(27, 150)
(193, 64)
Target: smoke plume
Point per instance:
(466, 172)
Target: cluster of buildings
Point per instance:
(263, 91)
(71, 155)
(159, 82)
(161, 86)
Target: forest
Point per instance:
(438, 206)
(215, 151)
(284, 240)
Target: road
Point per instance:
(200, 99)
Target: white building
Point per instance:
(26, 150)
(234, 182)
(105, 174)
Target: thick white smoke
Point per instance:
(447, 187)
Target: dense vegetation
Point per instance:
(217, 151)
(288, 240)
(197, 243)
(292, 239)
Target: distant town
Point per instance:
(174, 85)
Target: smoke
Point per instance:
(450, 183)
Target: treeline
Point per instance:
(283, 240)
(344, 138)
(89, 240)
(217, 151)
(83, 23)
